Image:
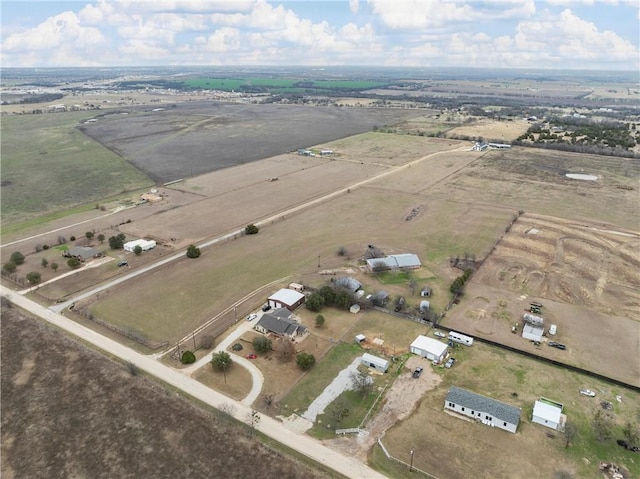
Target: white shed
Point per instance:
(429, 348)
(375, 362)
(549, 414)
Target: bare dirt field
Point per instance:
(492, 130)
(56, 394)
(208, 136)
(588, 279)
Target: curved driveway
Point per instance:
(299, 442)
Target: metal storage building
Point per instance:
(286, 298)
(549, 414)
(375, 362)
(429, 348)
(144, 244)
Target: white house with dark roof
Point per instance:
(483, 409)
(286, 298)
(281, 323)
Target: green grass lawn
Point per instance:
(48, 167)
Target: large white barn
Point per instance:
(429, 348)
(286, 298)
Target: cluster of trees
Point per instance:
(458, 284)
(117, 242)
(337, 297)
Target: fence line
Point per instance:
(411, 467)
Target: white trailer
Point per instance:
(460, 338)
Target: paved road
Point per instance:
(304, 444)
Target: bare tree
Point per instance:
(602, 427)
(228, 409)
(285, 348)
(570, 433)
(361, 382)
(253, 420)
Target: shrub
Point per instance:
(34, 277)
(73, 263)
(9, 267)
(72, 238)
(62, 240)
(193, 251)
(54, 266)
(17, 258)
(188, 358)
(237, 347)
(251, 229)
(305, 361)
(44, 262)
(319, 321)
(137, 250)
(45, 246)
(262, 344)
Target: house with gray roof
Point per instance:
(281, 323)
(395, 262)
(83, 253)
(483, 409)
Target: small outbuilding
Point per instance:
(355, 308)
(429, 348)
(375, 362)
(286, 298)
(424, 306)
(549, 414)
(360, 338)
(425, 291)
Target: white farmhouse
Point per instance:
(483, 409)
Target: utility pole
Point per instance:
(318, 261)
(411, 465)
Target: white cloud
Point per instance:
(354, 6)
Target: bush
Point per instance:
(9, 267)
(73, 263)
(17, 258)
(319, 321)
(72, 238)
(44, 262)
(62, 240)
(45, 246)
(251, 229)
(34, 277)
(193, 251)
(188, 358)
(305, 361)
(237, 347)
(54, 266)
(137, 250)
(262, 344)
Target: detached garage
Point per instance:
(286, 298)
(429, 348)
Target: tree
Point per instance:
(206, 341)
(44, 262)
(570, 433)
(319, 321)
(137, 250)
(338, 411)
(54, 266)
(188, 358)
(285, 348)
(602, 427)
(101, 238)
(193, 251)
(117, 242)
(262, 344)
(221, 361)
(73, 263)
(62, 239)
(17, 258)
(361, 382)
(269, 400)
(10, 267)
(253, 420)
(251, 229)
(89, 235)
(314, 302)
(342, 251)
(305, 360)
(72, 238)
(34, 277)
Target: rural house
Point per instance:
(483, 409)
(286, 298)
(429, 348)
(280, 323)
(81, 252)
(549, 414)
(374, 362)
(394, 262)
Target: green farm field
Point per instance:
(280, 84)
(49, 166)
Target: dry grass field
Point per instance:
(447, 446)
(67, 411)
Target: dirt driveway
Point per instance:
(399, 402)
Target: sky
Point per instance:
(544, 34)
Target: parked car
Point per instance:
(252, 316)
(553, 329)
(450, 362)
(266, 307)
(417, 372)
(553, 344)
(587, 392)
(123, 263)
(439, 334)
(251, 356)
